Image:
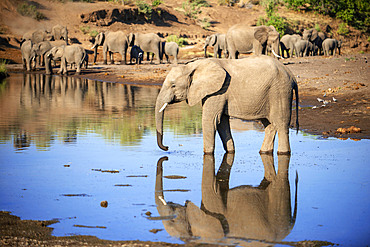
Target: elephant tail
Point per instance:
(295, 88)
(294, 216)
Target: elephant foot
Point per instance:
(105, 62)
(269, 152)
(284, 153)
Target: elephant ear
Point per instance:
(202, 224)
(314, 35)
(205, 78)
(213, 39)
(261, 34)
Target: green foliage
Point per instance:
(3, 69)
(180, 41)
(272, 17)
(191, 8)
(353, 12)
(317, 27)
(205, 24)
(144, 9)
(147, 9)
(343, 29)
(87, 30)
(30, 10)
(156, 3)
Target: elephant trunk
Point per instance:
(48, 68)
(159, 113)
(205, 51)
(95, 47)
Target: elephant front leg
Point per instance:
(223, 129)
(209, 132)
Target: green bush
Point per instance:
(205, 24)
(343, 29)
(156, 3)
(272, 17)
(353, 12)
(180, 41)
(30, 10)
(144, 9)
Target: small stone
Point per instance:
(104, 204)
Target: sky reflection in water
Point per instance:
(61, 136)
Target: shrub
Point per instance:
(343, 29)
(156, 3)
(205, 24)
(3, 70)
(144, 8)
(180, 41)
(29, 10)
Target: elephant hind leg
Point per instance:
(268, 141)
(283, 141)
(223, 129)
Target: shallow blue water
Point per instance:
(59, 136)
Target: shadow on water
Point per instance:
(244, 215)
(69, 144)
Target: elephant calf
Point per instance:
(330, 46)
(136, 53)
(254, 88)
(170, 49)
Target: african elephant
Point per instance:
(37, 36)
(315, 37)
(249, 216)
(67, 54)
(170, 49)
(330, 46)
(254, 88)
(245, 39)
(43, 47)
(137, 54)
(60, 32)
(218, 42)
(148, 42)
(111, 42)
(287, 44)
(28, 54)
(303, 47)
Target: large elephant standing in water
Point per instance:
(250, 216)
(254, 88)
(242, 39)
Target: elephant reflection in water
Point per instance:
(249, 216)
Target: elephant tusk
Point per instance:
(92, 47)
(164, 106)
(276, 55)
(162, 200)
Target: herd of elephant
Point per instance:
(240, 39)
(53, 46)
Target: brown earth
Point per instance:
(345, 77)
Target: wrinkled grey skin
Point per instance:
(303, 48)
(314, 37)
(218, 42)
(148, 42)
(137, 54)
(37, 36)
(112, 42)
(221, 85)
(170, 49)
(245, 39)
(43, 47)
(287, 44)
(28, 54)
(67, 54)
(251, 216)
(330, 46)
(60, 32)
